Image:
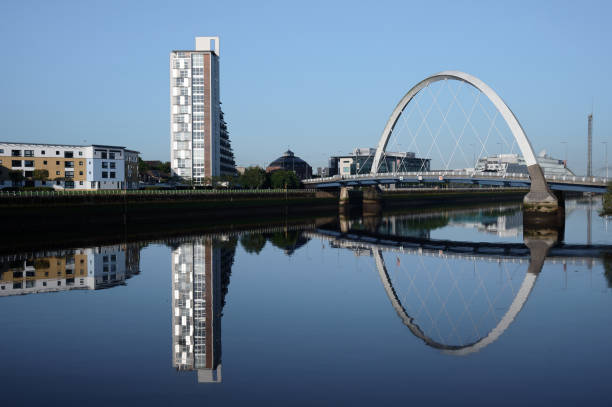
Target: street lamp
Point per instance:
(565, 142)
(473, 154)
(605, 143)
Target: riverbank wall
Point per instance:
(29, 213)
(79, 218)
(429, 197)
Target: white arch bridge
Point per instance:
(539, 185)
(533, 253)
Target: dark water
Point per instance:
(409, 308)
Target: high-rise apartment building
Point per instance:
(195, 112)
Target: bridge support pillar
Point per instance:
(539, 199)
(344, 196)
(372, 201)
(349, 203)
(539, 242)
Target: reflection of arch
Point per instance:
(539, 189)
(503, 324)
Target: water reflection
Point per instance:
(503, 220)
(455, 293)
(91, 268)
(201, 272)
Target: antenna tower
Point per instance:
(590, 148)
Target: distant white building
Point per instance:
(513, 163)
(360, 160)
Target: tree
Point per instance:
(16, 176)
(40, 175)
(253, 242)
(230, 181)
(255, 177)
(284, 179)
(165, 167)
(288, 241)
(607, 263)
(607, 200)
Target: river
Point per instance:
(445, 306)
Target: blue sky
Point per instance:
(318, 77)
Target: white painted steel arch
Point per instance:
(460, 350)
(502, 108)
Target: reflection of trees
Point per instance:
(253, 242)
(607, 264)
(288, 241)
(228, 249)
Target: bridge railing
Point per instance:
(459, 173)
(147, 192)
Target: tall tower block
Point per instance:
(590, 147)
(195, 111)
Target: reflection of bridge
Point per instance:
(533, 252)
(539, 198)
(497, 252)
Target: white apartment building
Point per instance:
(69, 166)
(195, 112)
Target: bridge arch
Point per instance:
(539, 189)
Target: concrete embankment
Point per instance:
(54, 213)
(427, 197)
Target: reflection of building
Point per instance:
(360, 162)
(200, 275)
(90, 268)
(513, 163)
(503, 225)
(69, 166)
(290, 162)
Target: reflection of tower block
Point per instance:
(207, 314)
(209, 375)
(197, 297)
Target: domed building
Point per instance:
(291, 162)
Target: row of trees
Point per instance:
(161, 166)
(16, 176)
(254, 178)
(258, 178)
(607, 201)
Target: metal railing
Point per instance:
(455, 173)
(144, 192)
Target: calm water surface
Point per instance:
(337, 312)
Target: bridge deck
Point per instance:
(561, 183)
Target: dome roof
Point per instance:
(288, 158)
